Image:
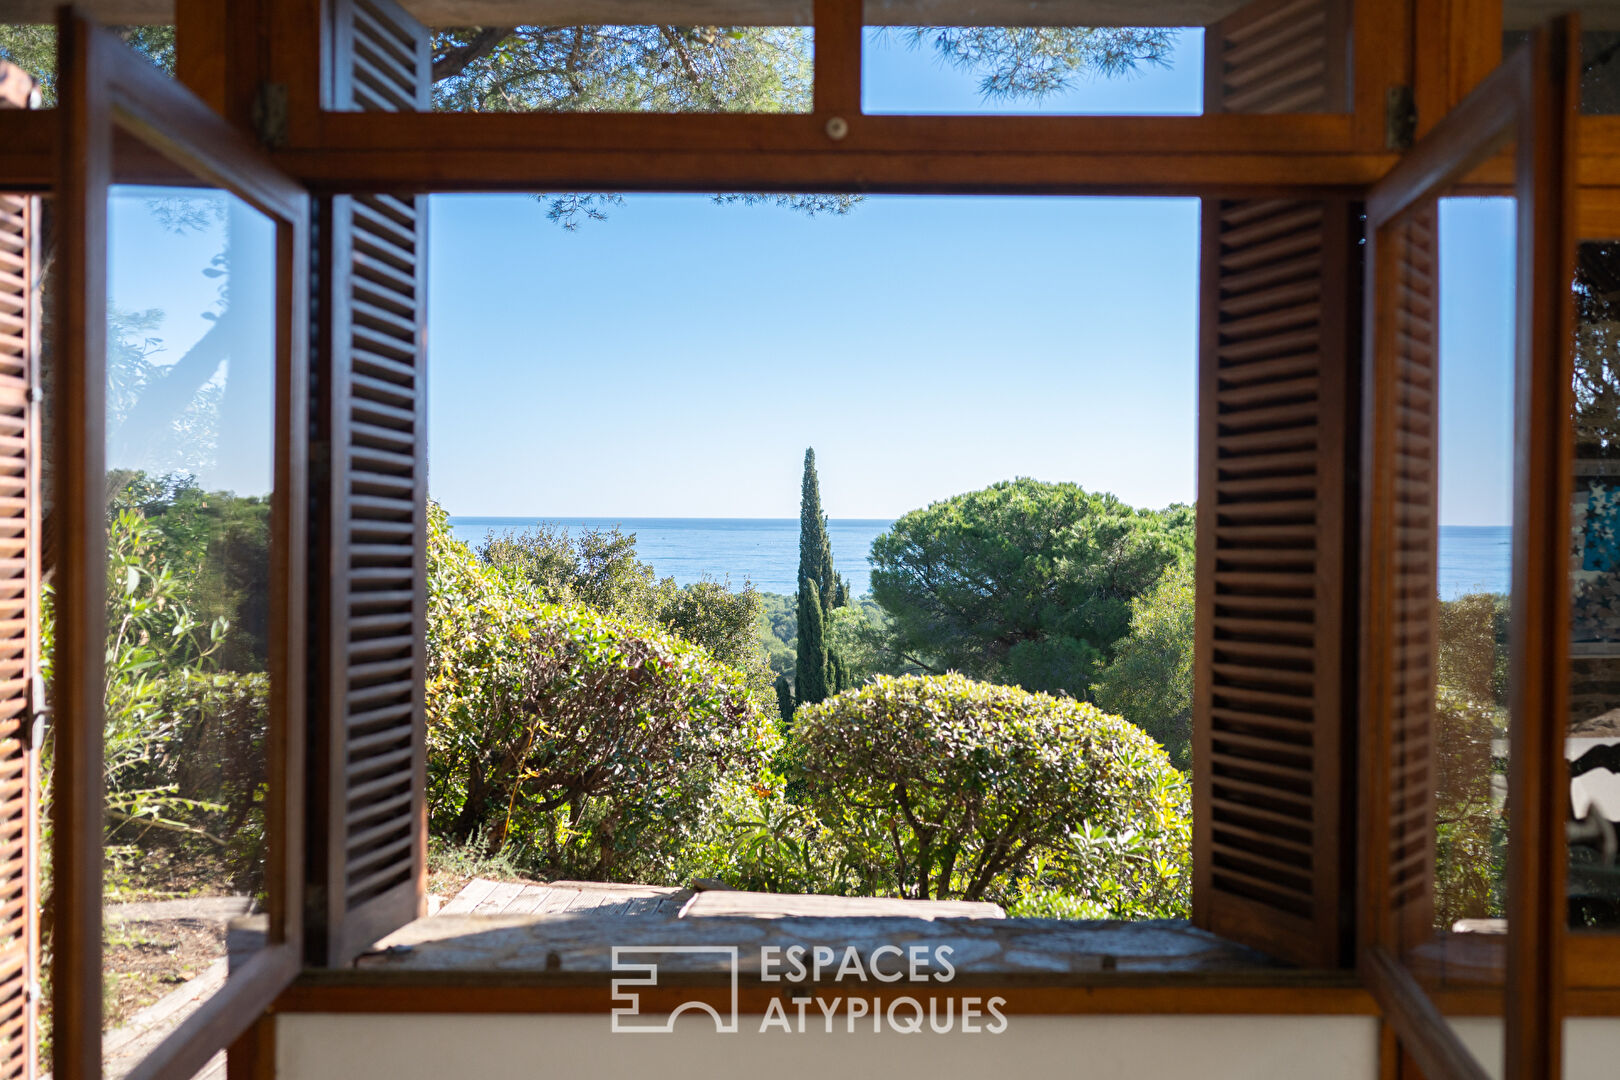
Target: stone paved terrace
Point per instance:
(572, 928)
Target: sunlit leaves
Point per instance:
(940, 786)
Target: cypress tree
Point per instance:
(815, 549)
(784, 698)
(810, 666)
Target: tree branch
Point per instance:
(457, 60)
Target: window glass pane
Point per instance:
(1170, 58)
(1593, 746)
(1465, 752)
(32, 47)
(1600, 45)
(190, 451)
(626, 69)
(1475, 556)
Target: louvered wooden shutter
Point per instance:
(19, 598)
(19, 617)
(1271, 768)
(368, 834)
(1402, 607)
(1279, 56)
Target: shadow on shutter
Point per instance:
(1279, 56)
(1270, 761)
(368, 835)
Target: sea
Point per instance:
(765, 551)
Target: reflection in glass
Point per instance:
(1471, 720)
(1600, 45)
(189, 440)
(1593, 743)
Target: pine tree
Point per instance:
(810, 666)
(784, 698)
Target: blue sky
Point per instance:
(1476, 361)
(900, 78)
(155, 264)
(675, 359)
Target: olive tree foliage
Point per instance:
(939, 787)
(593, 741)
(1023, 582)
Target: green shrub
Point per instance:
(939, 786)
(598, 568)
(186, 771)
(592, 741)
(183, 742)
(1470, 821)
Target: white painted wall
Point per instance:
(405, 1047)
(1591, 1045)
(333, 1047)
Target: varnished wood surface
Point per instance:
(109, 91)
(723, 12)
(80, 417)
(1538, 773)
(1417, 1021)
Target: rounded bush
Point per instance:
(948, 787)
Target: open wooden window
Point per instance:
(368, 831)
(224, 421)
(1528, 102)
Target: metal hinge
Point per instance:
(34, 733)
(270, 114)
(1400, 118)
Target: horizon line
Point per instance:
(641, 517)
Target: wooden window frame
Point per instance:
(1441, 48)
(1529, 100)
(1182, 155)
(107, 88)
